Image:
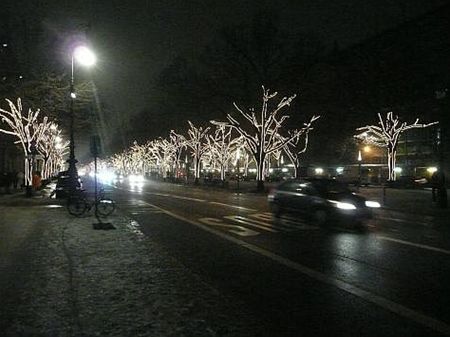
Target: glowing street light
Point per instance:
(85, 57)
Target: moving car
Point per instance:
(321, 201)
(63, 185)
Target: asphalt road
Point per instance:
(390, 279)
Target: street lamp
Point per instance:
(238, 156)
(359, 167)
(85, 57)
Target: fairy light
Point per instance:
(386, 135)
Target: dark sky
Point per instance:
(134, 40)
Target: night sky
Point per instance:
(135, 40)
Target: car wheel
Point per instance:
(319, 217)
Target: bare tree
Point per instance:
(162, 152)
(52, 149)
(265, 137)
(178, 144)
(196, 141)
(386, 134)
(28, 129)
(298, 146)
(221, 145)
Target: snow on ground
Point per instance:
(62, 278)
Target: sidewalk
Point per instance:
(60, 277)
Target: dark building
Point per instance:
(404, 70)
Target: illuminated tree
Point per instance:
(120, 162)
(28, 129)
(59, 155)
(221, 146)
(264, 137)
(136, 158)
(298, 146)
(177, 145)
(386, 134)
(196, 141)
(162, 152)
(52, 149)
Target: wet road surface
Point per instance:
(390, 278)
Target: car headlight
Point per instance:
(345, 205)
(373, 204)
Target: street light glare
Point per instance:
(84, 56)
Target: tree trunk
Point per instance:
(197, 168)
(391, 163)
(260, 185)
(222, 172)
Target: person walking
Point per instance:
(438, 189)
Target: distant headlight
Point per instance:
(373, 204)
(134, 178)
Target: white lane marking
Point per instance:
(238, 230)
(418, 245)
(195, 199)
(245, 221)
(175, 196)
(401, 220)
(382, 302)
(283, 223)
(269, 223)
(233, 206)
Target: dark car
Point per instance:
(63, 185)
(320, 200)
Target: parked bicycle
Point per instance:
(78, 204)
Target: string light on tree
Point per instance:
(386, 135)
(267, 125)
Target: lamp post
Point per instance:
(85, 57)
(359, 167)
(238, 156)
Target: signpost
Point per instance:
(95, 146)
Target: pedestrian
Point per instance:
(436, 182)
(37, 180)
(438, 189)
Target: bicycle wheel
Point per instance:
(105, 207)
(76, 206)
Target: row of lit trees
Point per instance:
(256, 137)
(36, 136)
